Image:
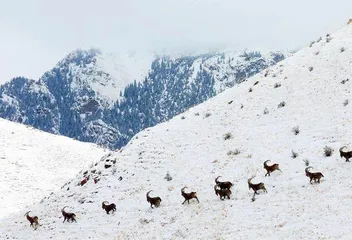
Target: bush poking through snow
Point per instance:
(207, 115)
(227, 136)
(266, 111)
(328, 151)
(344, 81)
(168, 177)
(183, 117)
(276, 85)
(328, 38)
(236, 152)
(196, 114)
(250, 90)
(114, 170)
(310, 69)
(311, 44)
(345, 103)
(281, 104)
(317, 53)
(256, 83)
(295, 130)
(294, 154)
(342, 49)
(306, 162)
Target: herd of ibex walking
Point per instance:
(222, 189)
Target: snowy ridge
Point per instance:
(191, 146)
(107, 73)
(35, 163)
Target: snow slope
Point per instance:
(108, 73)
(35, 163)
(192, 148)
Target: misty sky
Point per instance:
(36, 34)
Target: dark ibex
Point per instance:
(188, 196)
(68, 216)
(33, 220)
(223, 185)
(153, 200)
(85, 180)
(108, 207)
(222, 192)
(256, 187)
(346, 155)
(271, 168)
(313, 176)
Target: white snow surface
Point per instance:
(192, 148)
(111, 73)
(35, 163)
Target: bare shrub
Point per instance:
(207, 115)
(344, 81)
(345, 103)
(306, 162)
(227, 136)
(328, 151)
(168, 177)
(295, 130)
(183, 117)
(236, 152)
(281, 104)
(310, 69)
(319, 39)
(276, 85)
(342, 49)
(250, 90)
(317, 53)
(266, 111)
(196, 114)
(294, 154)
(241, 106)
(114, 170)
(311, 44)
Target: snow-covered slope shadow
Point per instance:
(230, 135)
(35, 163)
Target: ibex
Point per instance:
(223, 185)
(33, 220)
(68, 216)
(222, 192)
(271, 168)
(256, 187)
(313, 176)
(188, 196)
(153, 200)
(85, 180)
(346, 155)
(108, 207)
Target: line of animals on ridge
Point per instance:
(222, 189)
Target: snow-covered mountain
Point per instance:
(35, 163)
(299, 106)
(107, 98)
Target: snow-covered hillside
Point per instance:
(230, 135)
(35, 163)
